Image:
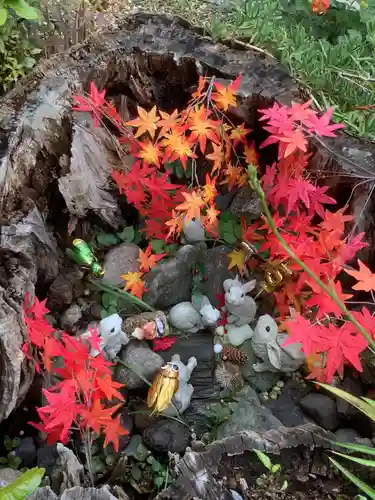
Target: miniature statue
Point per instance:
(267, 344)
(112, 338)
(190, 317)
(241, 308)
(171, 385)
(147, 325)
(192, 231)
(238, 334)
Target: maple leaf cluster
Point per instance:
(134, 282)
(80, 399)
(160, 139)
(316, 236)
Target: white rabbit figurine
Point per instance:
(267, 344)
(181, 399)
(240, 307)
(190, 317)
(112, 338)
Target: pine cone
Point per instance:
(234, 355)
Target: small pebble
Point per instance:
(274, 395)
(218, 348)
(280, 383)
(266, 396)
(277, 389)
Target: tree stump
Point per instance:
(55, 168)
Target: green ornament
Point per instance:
(82, 255)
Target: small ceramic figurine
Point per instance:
(240, 307)
(112, 338)
(147, 325)
(267, 344)
(190, 317)
(192, 231)
(238, 334)
(171, 384)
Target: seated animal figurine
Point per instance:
(267, 344)
(112, 338)
(238, 334)
(181, 399)
(240, 307)
(190, 317)
(192, 231)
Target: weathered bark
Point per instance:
(200, 473)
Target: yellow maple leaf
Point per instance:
(209, 189)
(225, 96)
(134, 283)
(217, 156)
(175, 224)
(146, 122)
(192, 206)
(149, 153)
(237, 259)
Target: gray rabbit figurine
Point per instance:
(240, 307)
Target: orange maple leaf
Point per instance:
(98, 416)
(201, 127)
(251, 155)
(150, 153)
(167, 122)
(177, 147)
(217, 156)
(365, 278)
(233, 176)
(238, 134)
(113, 430)
(201, 85)
(210, 218)
(148, 259)
(146, 122)
(225, 96)
(134, 283)
(209, 189)
(192, 206)
(175, 224)
(109, 387)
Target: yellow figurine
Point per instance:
(164, 386)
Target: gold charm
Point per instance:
(275, 276)
(163, 387)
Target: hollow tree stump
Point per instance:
(53, 159)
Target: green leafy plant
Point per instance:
(127, 235)
(18, 54)
(366, 406)
(11, 460)
(20, 7)
(23, 486)
(270, 481)
(229, 228)
(216, 414)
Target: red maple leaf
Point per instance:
(163, 344)
(112, 431)
(147, 259)
(341, 344)
(320, 125)
(324, 303)
(93, 103)
(98, 416)
(303, 331)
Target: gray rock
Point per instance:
(44, 493)
(215, 262)
(246, 204)
(248, 415)
(46, 457)
(70, 317)
(170, 282)
(354, 387)
(261, 381)
(347, 435)
(143, 359)
(7, 476)
(322, 409)
(167, 435)
(26, 452)
(79, 493)
(286, 407)
(120, 259)
(68, 471)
